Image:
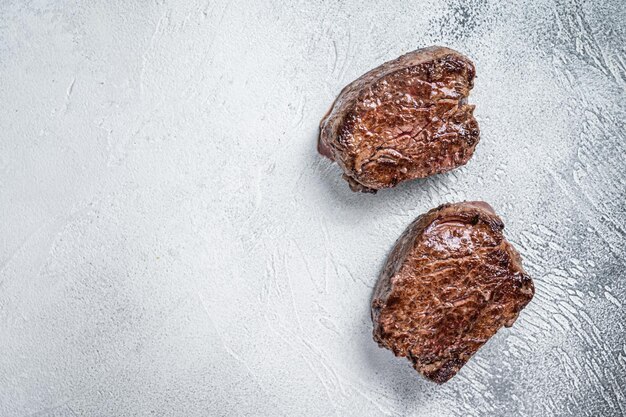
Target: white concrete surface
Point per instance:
(172, 245)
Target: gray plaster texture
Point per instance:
(172, 245)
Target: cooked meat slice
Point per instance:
(451, 281)
(406, 119)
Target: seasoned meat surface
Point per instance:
(451, 281)
(405, 119)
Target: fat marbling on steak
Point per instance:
(451, 281)
(405, 119)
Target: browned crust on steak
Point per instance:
(405, 119)
(451, 281)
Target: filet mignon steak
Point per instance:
(405, 119)
(451, 281)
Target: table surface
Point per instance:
(173, 245)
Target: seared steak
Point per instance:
(451, 281)
(405, 119)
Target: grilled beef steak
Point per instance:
(451, 281)
(406, 119)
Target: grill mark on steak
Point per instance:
(415, 105)
(449, 284)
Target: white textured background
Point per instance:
(171, 244)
